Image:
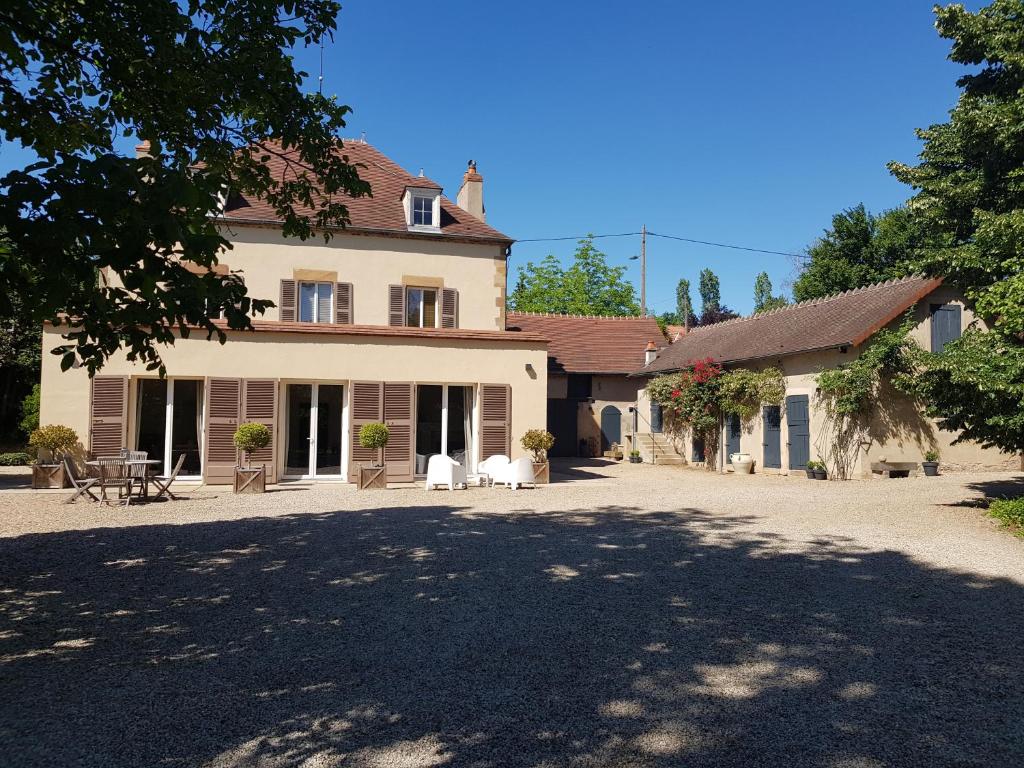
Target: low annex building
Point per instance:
(590, 395)
(399, 318)
(803, 339)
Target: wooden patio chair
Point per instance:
(114, 474)
(137, 473)
(82, 485)
(163, 483)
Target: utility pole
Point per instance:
(643, 270)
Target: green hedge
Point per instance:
(16, 459)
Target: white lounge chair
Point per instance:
(491, 466)
(444, 470)
(516, 473)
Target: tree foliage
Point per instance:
(970, 203)
(20, 345)
(712, 310)
(859, 249)
(763, 298)
(207, 83)
(588, 287)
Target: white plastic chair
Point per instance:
(444, 470)
(516, 473)
(491, 466)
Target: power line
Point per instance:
(666, 237)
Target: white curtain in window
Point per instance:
(325, 294)
(307, 302)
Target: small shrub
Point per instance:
(30, 411)
(56, 439)
(250, 437)
(1009, 512)
(16, 459)
(374, 435)
(538, 442)
(816, 466)
(931, 455)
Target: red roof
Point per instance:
(383, 212)
(846, 320)
(582, 344)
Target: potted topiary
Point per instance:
(818, 470)
(635, 458)
(930, 465)
(55, 440)
(539, 442)
(373, 436)
(249, 438)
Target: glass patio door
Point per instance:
(314, 431)
(168, 424)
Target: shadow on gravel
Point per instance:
(440, 637)
(1003, 488)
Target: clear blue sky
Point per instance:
(744, 122)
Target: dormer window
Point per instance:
(422, 208)
(422, 211)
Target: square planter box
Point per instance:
(372, 477)
(252, 480)
(541, 473)
(48, 476)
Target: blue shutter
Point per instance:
(798, 423)
(946, 319)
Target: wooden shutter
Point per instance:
(286, 307)
(108, 414)
(946, 325)
(223, 407)
(449, 308)
(495, 420)
(398, 415)
(367, 406)
(259, 404)
(396, 305)
(343, 303)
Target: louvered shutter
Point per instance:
(449, 308)
(343, 303)
(286, 307)
(223, 406)
(259, 404)
(495, 420)
(946, 325)
(367, 406)
(396, 305)
(398, 415)
(108, 414)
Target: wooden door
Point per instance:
(367, 405)
(399, 412)
(798, 427)
(732, 436)
(223, 410)
(108, 414)
(772, 442)
(611, 427)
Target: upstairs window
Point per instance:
(422, 211)
(421, 307)
(316, 302)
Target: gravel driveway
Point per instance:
(631, 616)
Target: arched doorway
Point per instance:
(611, 426)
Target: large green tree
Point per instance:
(763, 297)
(213, 87)
(859, 248)
(970, 202)
(590, 286)
(712, 310)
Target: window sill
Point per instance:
(425, 229)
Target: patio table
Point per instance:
(145, 463)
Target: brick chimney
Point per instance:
(471, 193)
(650, 353)
(143, 149)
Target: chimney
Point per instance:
(650, 353)
(471, 193)
(143, 149)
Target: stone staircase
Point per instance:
(657, 449)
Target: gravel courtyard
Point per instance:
(627, 616)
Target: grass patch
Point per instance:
(1009, 512)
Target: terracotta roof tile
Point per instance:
(381, 212)
(580, 344)
(834, 321)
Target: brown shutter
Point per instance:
(286, 308)
(108, 414)
(398, 415)
(495, 420)
(259, 404)
(449, 308)
(396, 305)
(343, 303)
(223, 405)
(367, 406)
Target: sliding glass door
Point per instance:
(444, 424)
(314, 429)
(168, 423)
